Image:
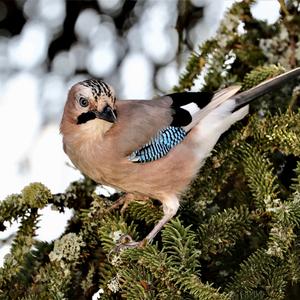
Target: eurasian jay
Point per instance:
(150, 148)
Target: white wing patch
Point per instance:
(192, 108)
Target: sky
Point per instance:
(31, 97)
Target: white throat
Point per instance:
(95, 127)
(88, 132)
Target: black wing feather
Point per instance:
(166, 139)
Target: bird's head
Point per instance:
(90, 104)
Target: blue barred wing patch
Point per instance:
(159, 146)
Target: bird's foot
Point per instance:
(125, 201)
(126, 242)
(122, 201)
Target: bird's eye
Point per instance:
(83, 102)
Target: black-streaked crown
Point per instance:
(99, 88)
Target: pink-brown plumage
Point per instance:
(100, 133)
(103, 156)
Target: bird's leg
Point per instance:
(170, 208)
(125, 200)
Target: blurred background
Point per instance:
(139, 47)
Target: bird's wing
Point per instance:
(218, 98)
(148, 129)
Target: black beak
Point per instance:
(107, 114)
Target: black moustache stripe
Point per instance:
(85, 117)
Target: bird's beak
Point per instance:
(107, 114)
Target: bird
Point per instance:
(151, 148)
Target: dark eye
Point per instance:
(83, 102)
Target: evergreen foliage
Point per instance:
(237, 232)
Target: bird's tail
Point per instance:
(246, 97)
(239, 100)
